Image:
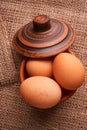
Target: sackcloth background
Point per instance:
(15, 114)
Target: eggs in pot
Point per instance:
(40, 91)
(39, 67)
(68, 71)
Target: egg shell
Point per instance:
(39, 67)
(68, 71)
(41, 92)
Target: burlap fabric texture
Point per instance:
(15, 114)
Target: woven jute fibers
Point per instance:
(15, 114)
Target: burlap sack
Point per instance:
(15, 114)
(7, 66)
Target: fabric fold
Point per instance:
(7, 66)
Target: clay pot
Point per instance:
(43, 37)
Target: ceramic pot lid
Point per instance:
(43, 37)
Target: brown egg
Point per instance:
(39, 67)
(68, 71)
(40, 91)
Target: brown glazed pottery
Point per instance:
(43, 37)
